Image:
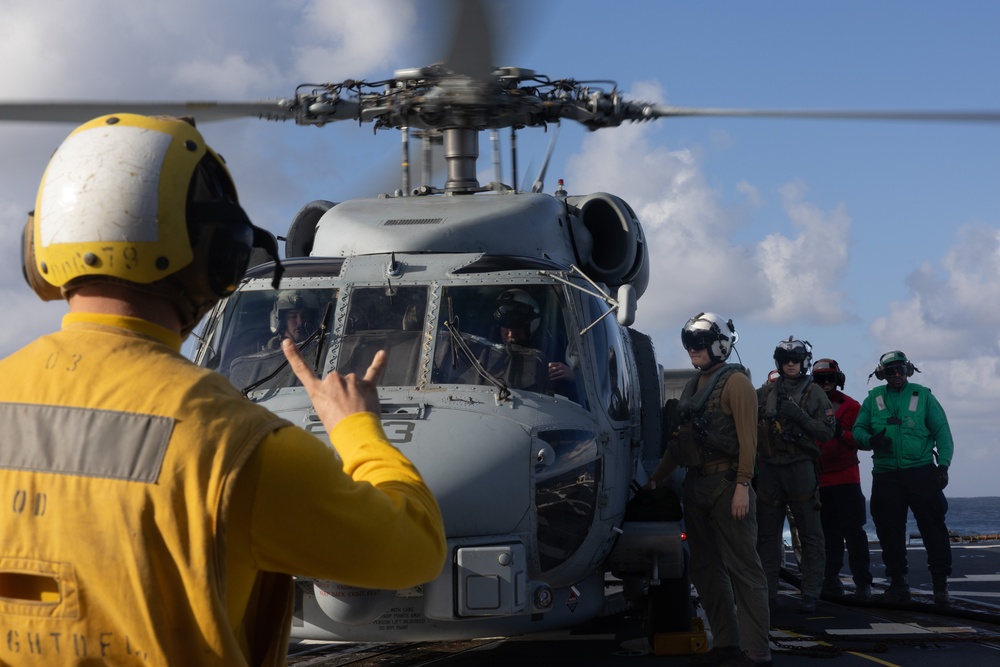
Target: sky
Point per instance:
(859, 237)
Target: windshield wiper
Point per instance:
(458, 342)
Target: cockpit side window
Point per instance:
(384, 319)
(515, 334)
(614, 383)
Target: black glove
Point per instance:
(838, 430)
(881, 443)
(790, 411)
(942, 476)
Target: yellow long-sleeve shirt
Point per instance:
(153, 505)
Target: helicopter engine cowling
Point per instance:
(613, 250)
(302, 231)
(351, 605)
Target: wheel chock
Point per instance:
(682, 643)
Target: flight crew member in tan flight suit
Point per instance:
(712, 431)
(795, 416)
(163, 513)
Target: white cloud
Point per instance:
(688, 233)
(804, 271)
(750, 192)
(345, 38)
(948, 326)
(696, 263)
(951, 309)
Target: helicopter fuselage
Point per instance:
(530, 445)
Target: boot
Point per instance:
(807, 605)
(940, 589)
(898, 591)
(832, 588)
(863, 592)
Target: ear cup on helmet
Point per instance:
(29, 269)
(229, 250)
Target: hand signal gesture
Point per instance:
(337, 396)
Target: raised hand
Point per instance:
(337, 396)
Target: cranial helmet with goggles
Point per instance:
(302, 300)
(894, 363)
(143, 202)
(828, 368)
(793, 350)
(516, 309)
(708, 331)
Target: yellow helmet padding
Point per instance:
(112, 201)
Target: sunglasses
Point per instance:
(894, 370)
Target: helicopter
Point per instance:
(533, 477)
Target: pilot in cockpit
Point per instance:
(294, 315)
(517, 315)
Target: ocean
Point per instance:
(967, 517)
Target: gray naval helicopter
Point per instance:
(515, 381)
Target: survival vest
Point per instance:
(904, 416)
(696, 428)
(778, 438)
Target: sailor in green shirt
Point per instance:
(907, 431)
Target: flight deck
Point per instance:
(914, 634)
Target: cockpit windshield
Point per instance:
(384, 319)
(510, 336)
(246, 345)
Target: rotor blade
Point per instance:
(471, 51)
(984, 116)
(81, 112)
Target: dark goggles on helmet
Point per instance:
(894, 370)
(783, 356)
(514, 314)
(823, 378)
(698, 340)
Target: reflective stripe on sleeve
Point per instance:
(82, 441)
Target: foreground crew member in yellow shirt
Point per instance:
(151, 514)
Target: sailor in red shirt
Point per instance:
(843, 512)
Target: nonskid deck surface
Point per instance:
(916, 634)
